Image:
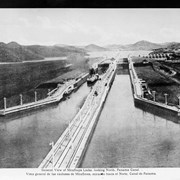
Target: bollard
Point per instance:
(21, 102)
(52, 145)
(4, 103)
(165, 98)
(142, 94)
(35, 96)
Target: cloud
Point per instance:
(169, 34)
(25, 22)
(48, 26)
(45, 22)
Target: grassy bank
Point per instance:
(17, 78)
(160, 84)
(22, 78)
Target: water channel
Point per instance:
(126, 136)
(24, 141)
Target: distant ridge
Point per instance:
(170, 48)
(13, 44)
(93, 47)
(140, 45)
(14, 52)
(144, 45)
(73, 48)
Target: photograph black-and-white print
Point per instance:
(89, 88)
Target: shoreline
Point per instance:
(40, 60)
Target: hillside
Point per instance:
(144, 45)
(93, 47)
(71, 48)
(141, 45)
(53, 51)
(172, 47)
(14, 52)
(115, 47)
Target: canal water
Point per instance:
(24, 141)
(126, 136)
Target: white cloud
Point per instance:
(45, 22)
(170, 34)
(25, 22)
(84, 26)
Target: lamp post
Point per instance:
(4, 103)
(52, 145)
(35, 96)
(48, 90)
(165, 98)
(154, 95)
(21, 102)
(142, 92)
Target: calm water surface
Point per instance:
(24, 141)
(129, 137)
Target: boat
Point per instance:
(92, 79)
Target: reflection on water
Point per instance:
(126, 136)
(24, 141)
(157, 111)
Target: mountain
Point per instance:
(71, 48)
(141, 45)
(115, 47)
(14, 52)
(13, 45)
(54, 51)
(93, 47)
(144, 45)
(170, 47)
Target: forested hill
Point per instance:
(14, 52)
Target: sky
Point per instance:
(89, 26)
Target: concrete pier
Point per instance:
(138, 94)
(71, 146)
(55, 96)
